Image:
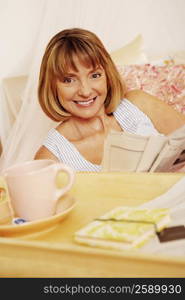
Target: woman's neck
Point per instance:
(98, 124)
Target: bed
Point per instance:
(161, 75)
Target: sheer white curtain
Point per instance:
(32, 125)
(116, 22)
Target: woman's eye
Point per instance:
(96, 75)
(68, 80)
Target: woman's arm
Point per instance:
(165, 118)
(44, 153)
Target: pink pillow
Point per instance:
(165, 82)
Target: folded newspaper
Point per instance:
(124, 228)
(126, 152)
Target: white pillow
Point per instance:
(132, 53)
(179, 57)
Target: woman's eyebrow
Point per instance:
(98, 68)
(73, 74)
(69, 74)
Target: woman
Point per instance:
(80, 87)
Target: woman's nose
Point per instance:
(85, 89)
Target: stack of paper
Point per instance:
(124, 228)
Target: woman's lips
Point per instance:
(85, 103)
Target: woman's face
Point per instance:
(83, 93)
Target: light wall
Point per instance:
(117, 22)
(19, 25)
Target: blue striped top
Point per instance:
(130, 118)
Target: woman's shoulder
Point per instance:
(55, 134)
(133, 119)
(128, 107)
(55, 140)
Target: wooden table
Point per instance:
(53, 252)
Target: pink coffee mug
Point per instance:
(32, 187)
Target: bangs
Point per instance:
(64, 62)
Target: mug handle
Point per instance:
(71, 175)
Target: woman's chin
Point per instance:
(87, 112)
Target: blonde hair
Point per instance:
(59, 56)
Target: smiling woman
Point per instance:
(83, 93)
(80, 87)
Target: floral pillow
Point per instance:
(166, 82)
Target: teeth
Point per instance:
(85, 102)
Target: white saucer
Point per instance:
(64, 207)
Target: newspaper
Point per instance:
(126, 152)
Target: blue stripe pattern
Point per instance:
(130, 118)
